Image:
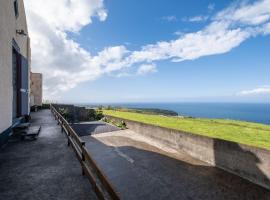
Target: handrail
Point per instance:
(99, 181)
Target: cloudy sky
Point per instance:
(137, 50)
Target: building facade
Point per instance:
(36, 89)
(15, 62)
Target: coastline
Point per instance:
(249, 112)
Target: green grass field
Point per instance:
(253, 134)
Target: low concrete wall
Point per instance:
(245, 161)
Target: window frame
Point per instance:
(16, 8)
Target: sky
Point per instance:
(93, 51)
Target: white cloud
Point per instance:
(147, 69)
(62, 61)
(211, 7)
(179, 33)
(70, 15)
(199, 18)
(220, 36)
(65, 63)
(123, 74)
(215, 39)
(248, 14)
(266, 29)
(170, 18)
(257, 91)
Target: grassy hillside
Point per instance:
(238, 131)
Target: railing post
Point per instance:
(83, 157)
(68, 134)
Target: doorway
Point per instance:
(16, 83)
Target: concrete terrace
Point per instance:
(141, 168)
(93, 128)
(42, 169)
(137, 167)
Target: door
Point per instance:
(15, 83)
(24, 90)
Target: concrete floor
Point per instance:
(138, 167)
(141, 168)
(92, 128)
(43, 169)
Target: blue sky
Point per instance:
(239, 72)
(144, 22)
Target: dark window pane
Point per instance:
(16, 10)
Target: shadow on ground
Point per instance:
(141, 171)
(238, 158)
(42, 169)
(92, 128)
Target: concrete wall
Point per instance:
(8, 26)
(245, 161)
(78, 113)
(36, 89)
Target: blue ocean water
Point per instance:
(253, 112)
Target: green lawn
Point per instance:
(238, 131)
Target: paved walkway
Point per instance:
(45, 169)
(140, 168)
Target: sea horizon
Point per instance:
(257, 112)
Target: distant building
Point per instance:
(15, 57)
(36, 89)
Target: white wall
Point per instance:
(36, 89)
(8, 26)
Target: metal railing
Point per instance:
(97, 178)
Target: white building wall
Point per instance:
(36, 89)
(8, 26)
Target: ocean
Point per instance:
(252, 112)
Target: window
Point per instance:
(16, 9)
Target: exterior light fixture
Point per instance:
(21, 32)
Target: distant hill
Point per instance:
(153, 111)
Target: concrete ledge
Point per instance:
(248, 162)
(4, 136)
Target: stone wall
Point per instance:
(245, 161)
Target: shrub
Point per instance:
(98, 114)
(94, 115)
(66, 114)
(121, 124)
(45, 106)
